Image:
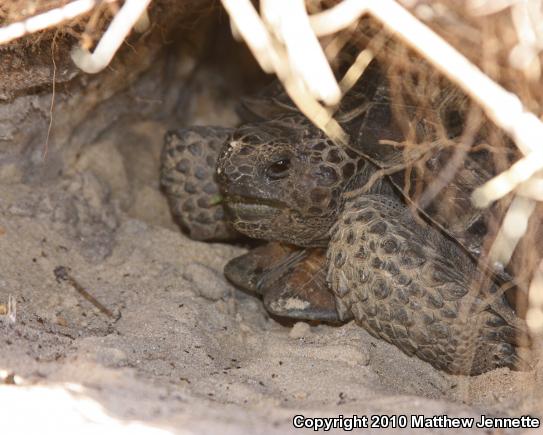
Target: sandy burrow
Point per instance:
(185, 352)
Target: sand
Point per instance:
(178, 349)
(185, 351)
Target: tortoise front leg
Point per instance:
(410, 285)
(188, 164)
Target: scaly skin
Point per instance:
(188, 159)
(400, 277)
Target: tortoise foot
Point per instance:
(292, 281)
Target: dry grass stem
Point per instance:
(284, 45)
(502, 107)
(513, 228)
(46, 20)
(282, 42)
(132, 12)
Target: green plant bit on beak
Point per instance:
(215, 200)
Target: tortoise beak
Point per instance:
(251, 209)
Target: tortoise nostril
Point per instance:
(278, 169)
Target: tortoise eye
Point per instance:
(279, 169)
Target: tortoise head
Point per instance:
(283, 181)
